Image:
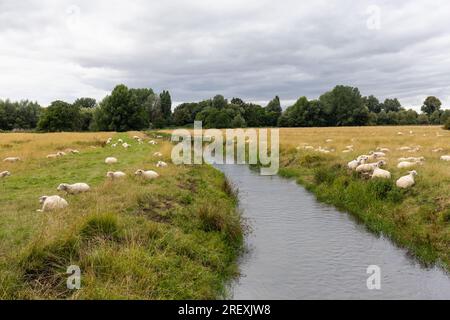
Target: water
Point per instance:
(301, 249)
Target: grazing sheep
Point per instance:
(136, 138)
(380, 173)
(126, 145)
(61, 154)
(404, 148)
(73, 151)
(109, 141)
(50, 203)
(161, 164)
(347, 151)
(159, 137)
(412, 159)
(157, 154)
(153, 142)
(5, 174)
(11, 159)
(352, 165)
(147, 174)
(383, 149)
(74, 188)
(438, 150)
(369, 167)
(52, 156)
(329, 140)
(120, 141)
(110, 160)
(308, 148)
(445, 158)
(400, 133)
(378, 154)
(407, 164)
(114, 145)
(407, 181)
(116, 175)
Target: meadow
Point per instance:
(417, 218)
(175, 237)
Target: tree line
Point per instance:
(139, 109)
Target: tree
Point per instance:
(423, 119)
(238, 122)
(219, 102)
(88, 103)
(447, 124)
(166, 106)
(157, 118)
(430, 105)
(60, 116)
(391, 105)
(344, 106)
(372, 104)
(273, 112)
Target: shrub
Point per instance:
(325, 175)
(447, 124)
(103, 226)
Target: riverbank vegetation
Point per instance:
(175, 237)
(417, 218)
(128, 109)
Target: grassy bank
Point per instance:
(176, 237)
(417, 219)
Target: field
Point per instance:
(176, 237)
(418, 218)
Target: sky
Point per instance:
(61, 50)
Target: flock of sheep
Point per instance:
(371, 164)
(55, 202)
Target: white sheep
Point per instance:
(308, 148)
(61, 154)
(407, 164)
(115, 175)
(111, 160)
(159, 137)
(74, 188)
(114, 145)
(147, 174)
(380, 173)
(11, 159)
(109, 141)
(5, 174)
(368, 167)
(126, 145)
(120, 141)
(157, 154)
(407, 181)
(136, 138)
(383, 149)
(438, 150)
(352, 165)
(52, 156)
(161, 164)
(445, 158)
(50, 203)
(153, 142)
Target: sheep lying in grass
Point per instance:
(50, 203)
(407, 181)
(126, 145)
(380, 173)
(380, 149)
(445, 158)
(5, 174)
(11, 159)
(114, 145)
(136, 138)
(52, 156)
(412, 159)
(61, 154)
(438, 150)
(408, 164)
(120, 141)
(72, 151)
(157, 154)
(115, 175)
(74, 188)
(111, 160)
(369, 167)
(153, 142)
(161, 164)
(147, 174)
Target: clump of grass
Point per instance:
(103, 226)
(325, 175)
(384, 189)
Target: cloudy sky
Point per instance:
(251, 49)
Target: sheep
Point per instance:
(126, 145)
(136, 138)
(159, 137)
(120, 141)
(407, 181)
(407, 164)
(109, 141)
(73, 151)
(110, 160)
(445, 158)
(157, 154)
(352, 165)
(368, 167)
(114, 145)
(147, 174)
(115, 175)
(161, 164)
(52, 156)
(308, 148)
(140, 141)
(61, 154)
(438, 150)
(152, 142)
(380, 173)
(11, 159)
(378, 154)
(347, 151)
(5, 174)
(404, 148)
(74, 188)
(50, 203)
(412, 159)
(329, 140)
(383, 149)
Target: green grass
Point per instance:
(177, 237)
(411, 218)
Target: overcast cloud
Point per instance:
(251, 49)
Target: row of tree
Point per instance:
(138, 109)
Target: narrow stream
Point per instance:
(299, 248)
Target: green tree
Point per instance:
(60, 116)
(423, 119)
(88, 103)
(391, 105)
(430, 105)
(219, 102)
(238, 122)
(372, 104)
(273, 112)
(166, 106)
